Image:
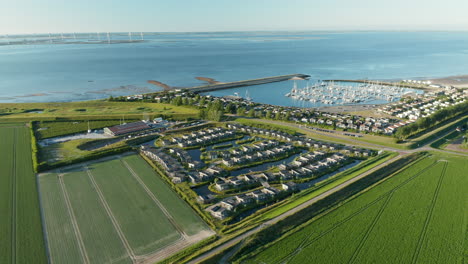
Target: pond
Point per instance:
(203, 190)
(308, 184)
(196, 153)
(265, 166)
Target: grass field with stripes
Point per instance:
(113, 211)
(21, 237)
(416, 216)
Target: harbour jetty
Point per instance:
(228, 85)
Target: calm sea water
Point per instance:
(72, 72)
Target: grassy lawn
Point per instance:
(89, 110)
(20, 231)
(369, 228)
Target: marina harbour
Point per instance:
(315, 94)
(342, 93)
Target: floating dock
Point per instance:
(228, 85)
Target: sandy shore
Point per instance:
(208, 80)
(460, 81)
(30, 95)
(160, 84)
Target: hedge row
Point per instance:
(92, 156)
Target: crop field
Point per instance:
(21, 239)
(416, 216)
(114, 211)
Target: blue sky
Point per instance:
(43, 16)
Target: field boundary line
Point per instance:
(422, 236)
(43, 222)
(155, 200)
(74, 223)
(306, 243)
(371, 227)
(13, 200)
(288, 257)
(169, 250)
(111, 216)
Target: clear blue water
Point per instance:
(72, 72)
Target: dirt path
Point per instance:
(176, 247)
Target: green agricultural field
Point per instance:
(113, 211)
(21, 237)
(189, 221)
(416, 216)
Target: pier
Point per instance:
(228, 85)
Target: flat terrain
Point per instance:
(416, 216)
(114, 211)
(90, 110)
(21, 239)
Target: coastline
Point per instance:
(458, 81)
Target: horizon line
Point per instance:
(245, 31)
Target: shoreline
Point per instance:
(458, 81)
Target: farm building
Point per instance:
(126, 128)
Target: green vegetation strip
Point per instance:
(442, 142)
(413, 204)
(438, 131)
(92, 110)
(20, 230)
